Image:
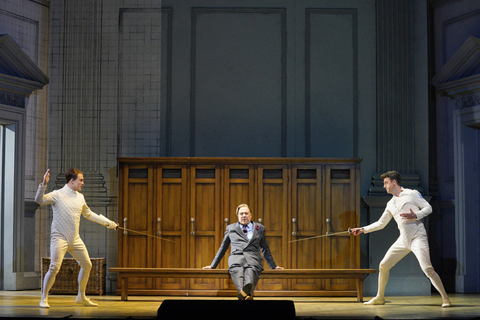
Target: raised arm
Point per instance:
(40, 196)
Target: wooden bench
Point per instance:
(124, 273)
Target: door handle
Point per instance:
(125, 232)
(226, 220)
(294, 233)
(260, 220)
(328, 226)
(159, 231)
(192, 221)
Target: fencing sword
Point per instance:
(324, 235)
(145, 234)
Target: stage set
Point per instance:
(159, 273)
(24, 304)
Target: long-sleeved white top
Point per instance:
(407, 199)
(68, 205)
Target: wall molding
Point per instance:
(196, 12)
(309, 13)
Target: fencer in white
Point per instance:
(68, 206)
(408, 208)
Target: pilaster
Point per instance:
(395, 141)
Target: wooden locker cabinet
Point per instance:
(190, 201)
(205, 221)
(170, 216)
(137, 213)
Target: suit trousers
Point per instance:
(242, 274)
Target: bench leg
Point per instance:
(124, 294)
(359, 290)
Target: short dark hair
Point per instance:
(392, 175)
(72, 173)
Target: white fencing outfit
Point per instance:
(68, 205)
(413, 238)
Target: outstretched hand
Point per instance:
(46, 177)
(112, 225)
(356, 231)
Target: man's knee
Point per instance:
(384, 266)
(54, 267)
(428, 270)
(86, 265)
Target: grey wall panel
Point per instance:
(238, 82)
(166, 84)
(457, 30)
(331, 83)
(139, 82)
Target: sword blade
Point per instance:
(321, 236)
(146, 234)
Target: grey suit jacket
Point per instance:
(242, 248)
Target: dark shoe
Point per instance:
(245, 294)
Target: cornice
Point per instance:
(461, 74)
(17, 71)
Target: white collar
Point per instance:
(66, 189)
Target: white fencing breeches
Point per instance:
(419, 247)
(58, 248)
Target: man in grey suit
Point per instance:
(245, 262)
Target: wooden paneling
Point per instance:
(171, 216)
(191, 200)
(308, 212)
(136, 249)
(272, 207)
(204, 223)
(341, 210)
